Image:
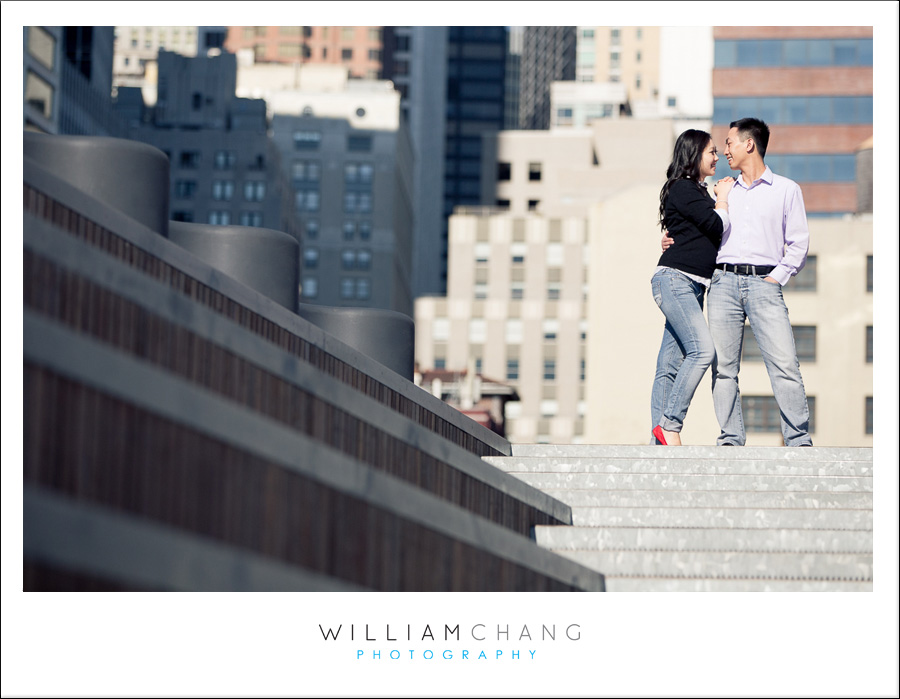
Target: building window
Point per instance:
(502, 203)
(39, 94)
(870, 419)
(870, 273)
(513, 331)
(761, 413)
(251, 218)
(311, 258)
(534, 172)
(614, 37)
(224, 160)
(365, 230)
(512, 369)
(481, 291)
(348, 288)
(307, 140)
(306, 200)
(805, 279)
(222, 190)
(440, 363)
(551, 329)
(42, 46)
(533, 204)
(363, 289)
(549, 408)
(517, 291)
(305, 171)
(477, 331)
(504, 172)
(184, 189)
(804, 341)
(364, 260)
(312, 229)
(358, 173)
(349, 229)
(517, 251)
(357, 144)
(549, 370)
(311, 287)
(869, 344)
(186, 216)
(254, 190)
(553, 292)
(582, 375)
(346, 54)
(220, 218)
(348, 259)
(189, 159)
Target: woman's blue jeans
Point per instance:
(686, 351)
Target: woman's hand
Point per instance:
(723, 187)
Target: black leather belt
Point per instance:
(753, 270)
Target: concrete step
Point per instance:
(630, 451)
(592, 497)
(698, 539)
(722, 517)
(708, 518)
(616, 583)
(708, 466)
(729, 564)
(690, 481)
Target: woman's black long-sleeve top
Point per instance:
(692, 221)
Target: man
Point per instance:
(765, 245)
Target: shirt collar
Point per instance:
(767, 177)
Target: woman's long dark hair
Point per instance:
(685, 164)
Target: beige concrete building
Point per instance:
(830, 305)
(515, 310)
(564, 172)
(517, 278)
(627, 55)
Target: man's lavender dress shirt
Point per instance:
(768, 226)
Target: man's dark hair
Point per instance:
(755, 129)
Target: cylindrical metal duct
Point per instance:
(129, 176)
(263, 259)
(387, 337)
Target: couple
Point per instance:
(743, 256)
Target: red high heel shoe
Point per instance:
(658, 433)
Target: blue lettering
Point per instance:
(428, 655)
(448, 655)
(395, 657)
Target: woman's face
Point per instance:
(708, 161)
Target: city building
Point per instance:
(578, 104)
(516, 37)
(567, 170)
(548, 55)
(627, 55)
(813, 86)
(41, 72)
(67, 80)
(515, 308)
(415, 60)
(516, 305)
(347, 154)
(357, 49)
(225, 168)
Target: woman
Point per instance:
(696, 223)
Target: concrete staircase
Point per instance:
(708, 518)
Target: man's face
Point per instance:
(735, 149)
